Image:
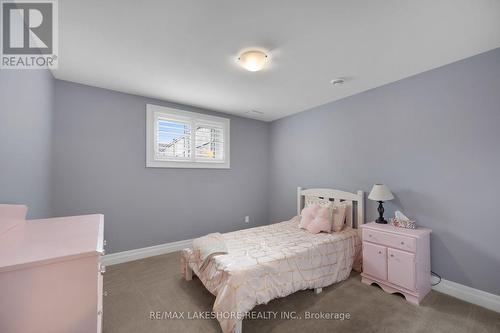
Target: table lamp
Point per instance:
(380, 193)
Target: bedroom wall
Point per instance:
(26, 106)
(99, 167)
(433, 139)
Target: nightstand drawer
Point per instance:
(391, 240)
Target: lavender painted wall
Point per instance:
(26, 105)
(434, 139)
(99, 167)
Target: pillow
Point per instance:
(338, 216)
(307, 215)
(310, 201)
(321, 222)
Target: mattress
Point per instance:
(272, 261)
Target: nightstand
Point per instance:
(397, 259)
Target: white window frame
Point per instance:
(153, 112)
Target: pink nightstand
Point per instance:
(397, 259)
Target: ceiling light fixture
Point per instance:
(337, 82)
(253, 61)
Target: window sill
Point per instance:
(187, 165)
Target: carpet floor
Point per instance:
(135, 289)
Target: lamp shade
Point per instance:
(380, 192)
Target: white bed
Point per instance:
(277, 260)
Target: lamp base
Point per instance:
(380, 209)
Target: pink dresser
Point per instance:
(397, 259)
(50, 273)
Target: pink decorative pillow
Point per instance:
(321, 222)
(307, 215)
(339, 213)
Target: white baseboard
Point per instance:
(145, 252)
(468, 294)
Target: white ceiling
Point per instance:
(185, 50)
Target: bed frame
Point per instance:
(355, 215)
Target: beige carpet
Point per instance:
(136, 288)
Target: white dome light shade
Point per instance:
(253, 61)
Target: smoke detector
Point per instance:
(337, 81)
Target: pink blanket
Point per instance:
(272, 261)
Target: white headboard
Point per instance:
(356, 210)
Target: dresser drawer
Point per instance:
(391, 240)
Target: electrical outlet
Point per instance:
(247, 219)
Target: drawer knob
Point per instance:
(402, 243)
(392, 255)
(369, 235)
(379, 252)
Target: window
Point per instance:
(182, 139)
